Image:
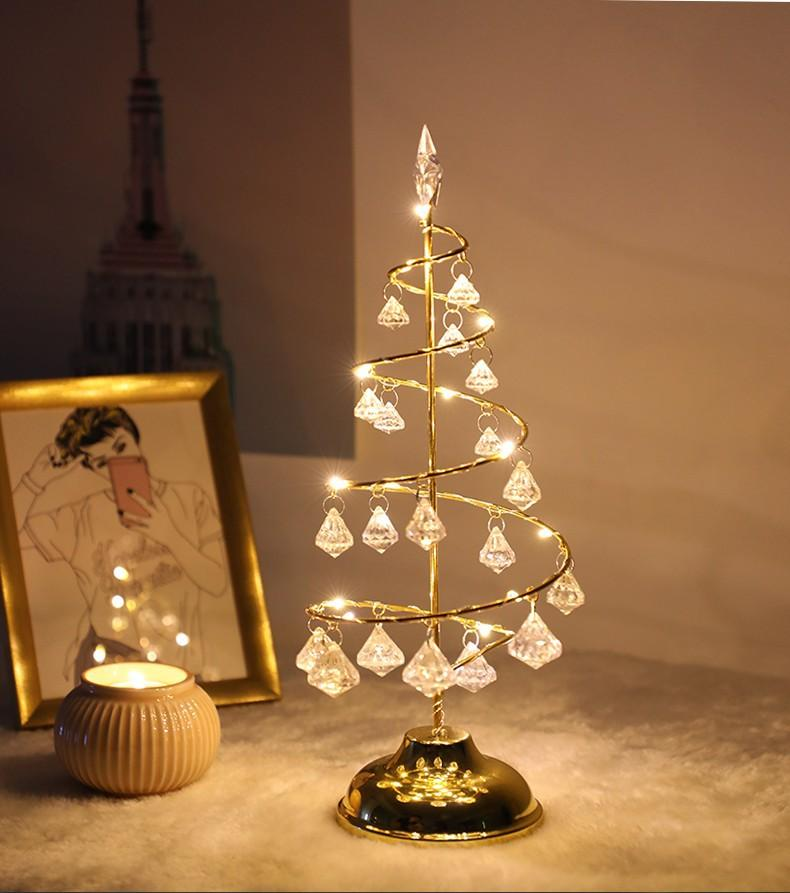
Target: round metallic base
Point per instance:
(439, 789)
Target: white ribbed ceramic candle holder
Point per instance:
(137, 728)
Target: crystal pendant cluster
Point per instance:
(389, 419)
(333, 673)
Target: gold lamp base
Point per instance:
(439, 788)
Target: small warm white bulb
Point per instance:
(507, 448)
(484, 629)
(483, 320)
(349, 615)
(182, 639)
(117, 601)
(363, 371)
(337, 603)
(151, 655)
(544, 533)
(99, 653)
(422, 211)
(446, 393)
(120, 572)
(511, 593)
(337, 483)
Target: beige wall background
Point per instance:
(621, 172)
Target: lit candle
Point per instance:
(135, 676)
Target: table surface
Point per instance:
(654, 777)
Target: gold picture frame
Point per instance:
(209, 389)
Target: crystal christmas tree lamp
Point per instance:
(437, 787)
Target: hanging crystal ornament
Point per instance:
(534, 644)
(333, 536)
(489, 444)
(380, 532)
(481, 378)
(333, 673)
(463, 293)
(380, 654)
(393, 314)
(389, 419)
(565, 594)
(497, 552)
(369, 406)
(313, 648)
(452, 336)
(429, 671)
(522, 489)
(477, 673)
(427, 170)
(425, 527)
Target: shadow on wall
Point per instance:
(258, 169)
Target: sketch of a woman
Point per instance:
(142, 578)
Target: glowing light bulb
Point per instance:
(120, 573)
(422, 211)
(182, 639)
(447, 393)
(337, 483)
(511, 593)
(337, 603)
(544, 533)
(484, 629)
(392, 486)
(363, 371)
(119, 624)
(131, 604)
(99, 653)
(117, 601)
(151, 655)
(483, 320)
(507, 448)
(349, 615)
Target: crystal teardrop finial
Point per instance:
(497, 553)
(429, 671)
(313, 648)
(481, 378)
(368, 406)
(452, 336)
(333, 535)
(393, 314)
(489, 444)
(389, 419)
(565, 594)
(380, 532)
(522, 489)
(463, 293)
(427, 170)
(476, 674)
(379, 653)
(425, 527)
(333, 673)
(534, 644)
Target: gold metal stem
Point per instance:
(430, 381)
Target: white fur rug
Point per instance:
(653, 777)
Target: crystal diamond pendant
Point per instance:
(333, 536)
(380, 533)
(452, 335)
(566, 595)
(368, 406)
(489, 444)
(380, 654)
(463, 293)
(522, 489)
(427, 170)
(534, 644)
(389, 419)
(476, 674)
(313, 648)
(425, 527)
(333, 673)
(393, 314)
(429, 671)
(481, 378)
(497, 552)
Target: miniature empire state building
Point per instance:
(148, 306)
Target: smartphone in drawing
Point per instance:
(130, 473)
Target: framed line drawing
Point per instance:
(125, 535)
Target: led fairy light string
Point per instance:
(429, 671)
